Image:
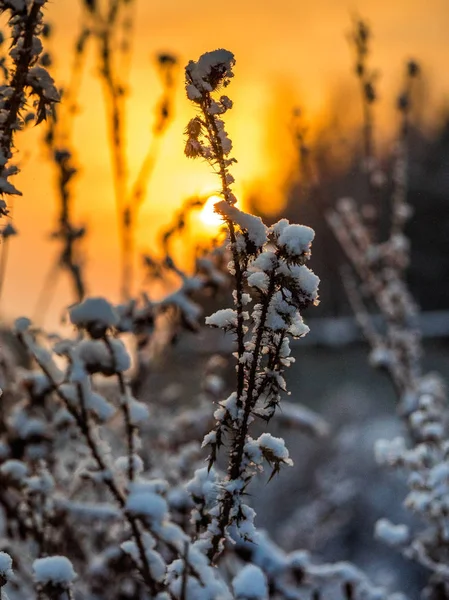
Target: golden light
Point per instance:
(207, 215)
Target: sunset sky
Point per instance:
(288, 52)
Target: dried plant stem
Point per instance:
(238, 443)
(82, 420)
(15, 101)
(4, 252)
(215, 141)
(19, 79)
(124, 407)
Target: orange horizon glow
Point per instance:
(288, 55)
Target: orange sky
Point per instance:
(288, 52)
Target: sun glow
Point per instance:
(208, 215)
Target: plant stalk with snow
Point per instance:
(422, 399)
(272, 286)
(24, 79)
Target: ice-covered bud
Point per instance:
(250, 584)
(13, 472)
(277, 228)
(296, 240)
(100, 406)
(380, 356)
(393, 535)
(210, 71)
(252, 226)
(226, 102)
(302, 282)
(193, 93)
(53, 573)
(204, 486)
(6, 571)
(21, 325)
(97, 357)
(96, 315)
(147, 504)
(138, 411)
(389, 452)
(274, 451)
(225, 318)
(259, 280)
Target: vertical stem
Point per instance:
(219, 154)
(125, 409)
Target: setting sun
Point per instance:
(208, 215)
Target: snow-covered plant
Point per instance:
(380, 268)
(106, 496)
(6, 573)
(25, 82)
(54, 576)
(136, 504)
(24, 78)
(272, 286)
(360, 40)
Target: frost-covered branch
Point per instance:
(24, 79)
(270, 264)
(380, 269)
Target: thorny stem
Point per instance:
(15, 104)
(19, 80)
(237, 450)
(219, 155)
(239, 443)
(238, 446)
(272, 361)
